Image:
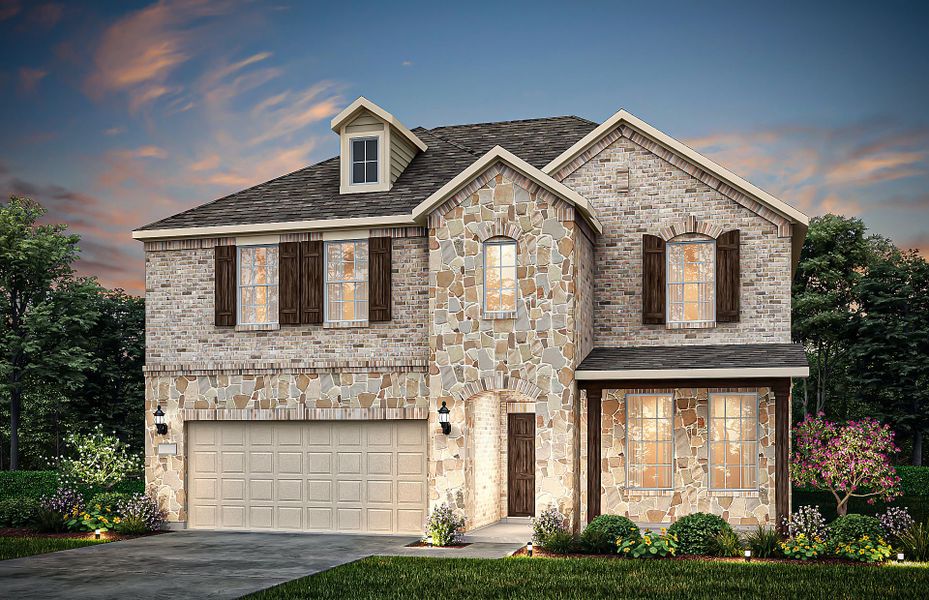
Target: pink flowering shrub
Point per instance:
(851, 460)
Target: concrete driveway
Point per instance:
(201, 564)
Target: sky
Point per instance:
(117, 114)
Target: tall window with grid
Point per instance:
(500, 275)
(691, 282)
(347, 280)
(733, 441)
(258, 285)
(649, 441)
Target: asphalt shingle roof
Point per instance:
(718, 356)
(312, 193)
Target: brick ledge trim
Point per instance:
(303, 413)
(288, 368)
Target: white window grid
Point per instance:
(496, 248)
(268, 290)
(337, 285)
(635, 468)
(748, 469)
(365, 160)
(706, 290)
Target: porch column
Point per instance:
(594, 398)
(782, 490)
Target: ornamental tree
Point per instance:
(850, 461)
(97, 460)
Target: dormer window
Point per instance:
(364, 160)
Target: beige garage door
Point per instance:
(364, 476)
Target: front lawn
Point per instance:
(535, 578)
(15, 547)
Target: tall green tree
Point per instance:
(833, 258)
(43, 309)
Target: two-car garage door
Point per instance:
(346, 476)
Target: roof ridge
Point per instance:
(470, 151)
(551, 118)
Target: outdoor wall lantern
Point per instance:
(443, 419)
(160, 424)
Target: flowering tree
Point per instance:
(97, 459)
(851, 460)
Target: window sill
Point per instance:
(735, 493)
(698, 325)
(258, 327)
(503, 314)
(345, 324)
(643, 492)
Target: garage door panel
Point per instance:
(312, 475)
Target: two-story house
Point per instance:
(499, 316)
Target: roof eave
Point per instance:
(733, 372)
(149, 235)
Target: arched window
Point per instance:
(500, 275)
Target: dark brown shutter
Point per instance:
(224, 291)
(653, 279)
(379, 265)
(727, 277)
(311, 282)
(289, 273)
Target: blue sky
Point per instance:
(115, 114)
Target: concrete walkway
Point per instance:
(202, 564)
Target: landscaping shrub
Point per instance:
(808, 521)
(561, 542)
(764, 542)
(650, 545)
(97, 460)
(18, 512)
(695, 531)
(915, 542)
(604, 533)
(49, 521)
(851, 528)
(725, 543)
(550, 522)
(27, 484)
(444, 527)
(801, 547)
(865, 549)
(914, 481)
(110, 500)
(895, 521)
(141, 513)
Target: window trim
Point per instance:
(326, 282)
(497, 242)
(668, 283)
(351, 160)
(238, 285)
(628, 453)
(709, 441)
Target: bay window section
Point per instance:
(649, 441)
(500, 276)
(691, 276)
(733, 441)
(347, 281)
(258, 285)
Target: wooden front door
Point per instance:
(521, 465)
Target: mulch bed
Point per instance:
(422, 544)
(543, 553)
(24, 532)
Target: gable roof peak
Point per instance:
(363, 104)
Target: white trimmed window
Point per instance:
(733, 441)
(364, 160)
(691, 282)
(258, 279)
(500, 275)
(347, 280)
(649, 441)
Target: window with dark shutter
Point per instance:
(653, 279)
(311, 282)
(289, 274)
(727, 277)
(379, 278)
(225, 286)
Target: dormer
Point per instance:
(375, 147)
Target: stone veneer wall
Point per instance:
(691, 471)
(660, 196)
(534, 353)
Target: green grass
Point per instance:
(471, 579)
(16, 547)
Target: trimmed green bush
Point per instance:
(695, 532)
(18, 512)
(561, 542)
(603, 533)
(35, 484)
(852, 528)
(914, 481)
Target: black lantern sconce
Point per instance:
(160, 426)
(443, 419)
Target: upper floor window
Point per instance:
(691, 282)
(500, 275)
(364, 160)
(649, 442)
(733, 441)
(258, 285)
(347, 280)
